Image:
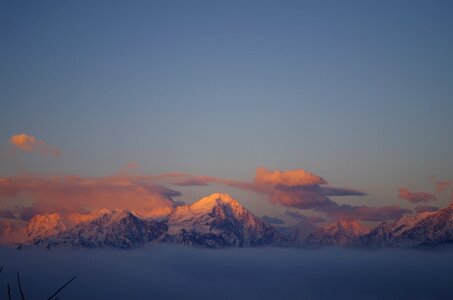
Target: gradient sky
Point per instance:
(358, 92)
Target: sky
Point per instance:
(357, 93)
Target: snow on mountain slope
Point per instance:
(297, 234)
(106, 228)
(218, 221)
(427, 228)
(11, 232)
(341, 233)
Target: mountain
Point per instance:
(105, 228)
(50, 224)
(297, 234)
(11, 232)
(218, 221)
(345, 233)
(422, 230)
(215, 221)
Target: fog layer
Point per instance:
(164, 272)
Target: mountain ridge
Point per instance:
(219, 221)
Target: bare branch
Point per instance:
(20, 287)
(60, 289)
(9, 292)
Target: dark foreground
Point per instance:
(268, 273)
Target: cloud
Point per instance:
(445, 186)
(363, 213)
(132, 165)
(297, 215)
(294, 188)
(415, 197)
(192, 182)
(289, 178)
(147, 194)
(301, 189)
(272, 220)
(424, 208)
(29, 143)
(81, 194)
(303, 197)
(7, 214)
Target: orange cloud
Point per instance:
(24, 142)
(415, 197)
(29, 143)
(81, 194)
(290, 178)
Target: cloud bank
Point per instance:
(81, 194)
(297, 189)
(300, 189)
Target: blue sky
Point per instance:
(358, 92)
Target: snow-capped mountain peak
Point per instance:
(207, 203)
(427, 228)
(118, 228)
(218, 221)
(340, 233)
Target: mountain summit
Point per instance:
(218, 221)
(427, 229)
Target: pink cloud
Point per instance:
(445, 186)
(289, 178)
(81, 194)
(294, 188)
(415, 197)
(132, 165)
(29, 143)
(145, 194)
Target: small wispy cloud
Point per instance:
(415, 197)
(364, 213)
(29, 143)
(425, 208)
(272, 220)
